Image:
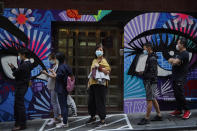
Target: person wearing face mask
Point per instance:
(61, 77)
(51, 85)
(150, 83)
(19, 60)
(22, 76)
(96, 90)
(179, 74)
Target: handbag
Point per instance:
(70, 84)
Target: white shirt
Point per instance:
(51, 81)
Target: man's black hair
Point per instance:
(183, 41)
(148, 45)
(60, 57)
(25, 52)
(52, 55)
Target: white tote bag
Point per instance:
(72, 109)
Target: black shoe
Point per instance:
(91, 120)
(157, 118)
(101, 124)
(144, 122)
(18, 128)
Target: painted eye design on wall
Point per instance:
(164, 44)
(12, 39)
(9, 54)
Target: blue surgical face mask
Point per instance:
(177, 47)
(99, 53)
(51, 62)
(19, 58)
(145, 52)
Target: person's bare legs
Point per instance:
(149, 109)
(156, 106)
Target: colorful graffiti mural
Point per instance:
(162, 30)
(36, 26)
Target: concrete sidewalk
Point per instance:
(169, 122)
(114, 122)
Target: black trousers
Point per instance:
(178, 87)
(19, 106)
(97, 100)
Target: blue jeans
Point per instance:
(63, 105)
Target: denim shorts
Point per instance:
(150, 90)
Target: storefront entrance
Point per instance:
(78, 42)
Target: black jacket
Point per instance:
(150, 72)
(23, 72)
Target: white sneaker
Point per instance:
(51, 122)
(62, 125)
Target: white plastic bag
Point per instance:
(72, 109)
